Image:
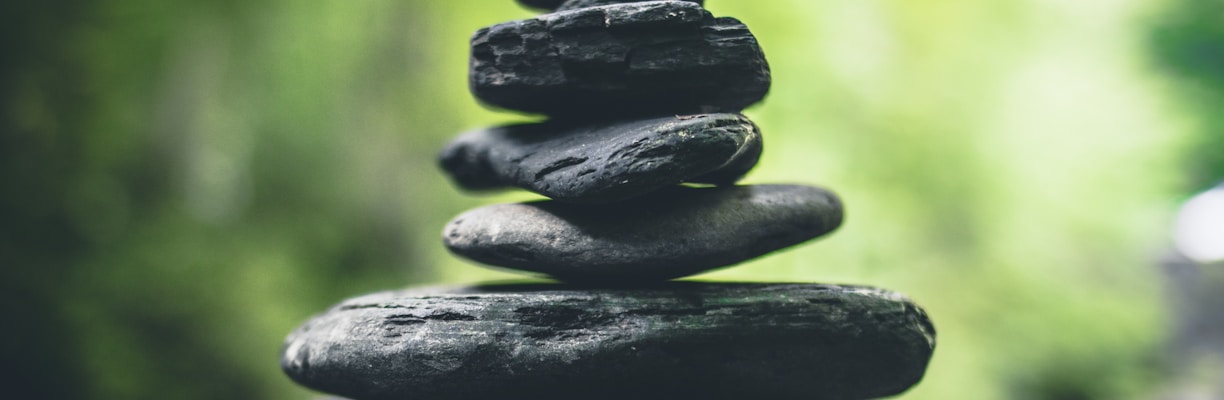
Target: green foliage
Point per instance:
(185, 182)
(1188, 44)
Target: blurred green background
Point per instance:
(186, 181)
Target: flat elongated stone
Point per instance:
(679, 340)
(564, 5)
(678, 232)
(618, 60)
(542, 4)
(577, 4)
(605, 162)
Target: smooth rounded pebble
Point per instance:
(678, 340)
(677, 232)
(605, 162)
(619, 60)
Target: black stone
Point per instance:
(619, 60)
(577, 4)
(674, 233)
(564, 5)
(607, 162)
(679, 340)
(542, 4)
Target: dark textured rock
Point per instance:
(577, 4)
(565, 5)
(605, 162)
(674, 233)
(625, 59)
(679, 340)
(542, 4)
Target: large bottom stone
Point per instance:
(675, 340)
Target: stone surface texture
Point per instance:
(565, 5)
(674, 233)
(679, 340)
(605, 162)
(619, 60)
(576, 4)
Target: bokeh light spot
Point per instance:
(1200, 227)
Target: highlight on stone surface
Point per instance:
(618, 60)
(576, 4)
(565, 5)
(605, 162)
(677, 232)
(677, 340)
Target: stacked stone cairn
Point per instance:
(639, 156)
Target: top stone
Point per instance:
(619, 60)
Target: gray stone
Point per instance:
(605, 162)
(619, 60)
(678, 340)
(576, 4)
(673, 233)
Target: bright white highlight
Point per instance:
(1200, 227)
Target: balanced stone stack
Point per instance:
(639, 157)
